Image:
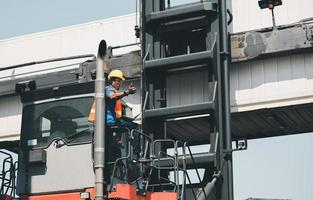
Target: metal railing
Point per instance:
(178, 165)
(161, 163)
(8, 175)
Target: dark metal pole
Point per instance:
(99, 136)
(47, 61)
(209, 188)
(126, 45)
(227, 139)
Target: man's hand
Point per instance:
(131, 89)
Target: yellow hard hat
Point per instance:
(116, 74)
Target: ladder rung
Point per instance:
(181, 12)
(181, 111)
(180, 61)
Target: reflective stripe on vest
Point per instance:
(92, 113)
(118, 109)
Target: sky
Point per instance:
(20, 17)
(278, 167)
(271, 168)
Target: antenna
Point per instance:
(137, 28)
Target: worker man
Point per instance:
(114, 118)
(113, 105)
(113, 101)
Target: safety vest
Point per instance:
(118, 109)
(92, 113)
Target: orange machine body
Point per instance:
(128, 192)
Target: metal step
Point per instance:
(181, 111)
(203, 57)
(182, 12)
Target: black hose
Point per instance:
(230, 20)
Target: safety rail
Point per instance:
(181, 192)
(145, 140)
(163, 162)
(176, 167)
(8, 175)
(126, 157)
(156, 164)
(186, 146)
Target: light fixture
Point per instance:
(270, 4)
(21, 87)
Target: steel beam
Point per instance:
(263, 43)
(201, 160)
(189, 10)
(180, 61)
(180, 111)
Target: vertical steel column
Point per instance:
(216, 28)
(99, 136)
(144, 97)
(227, 139)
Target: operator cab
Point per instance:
(56, 145)
(55, 129)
